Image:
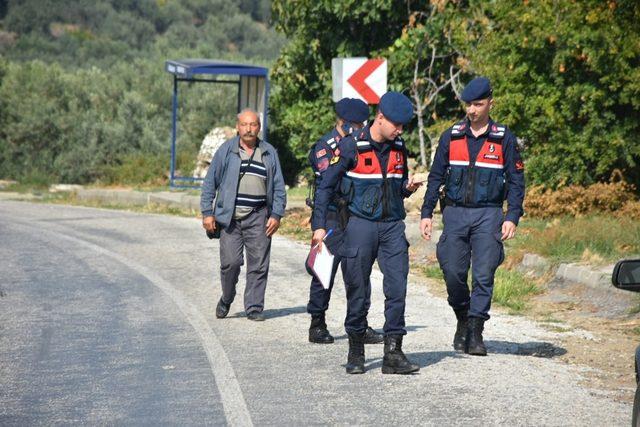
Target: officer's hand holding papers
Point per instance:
(321, 261)
(413, 185)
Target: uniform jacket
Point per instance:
(320, 156)
(498, 170)
(372, 176)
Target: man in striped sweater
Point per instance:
(244, 194)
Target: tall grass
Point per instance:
(571, 239)
(511, 289)
(295, 224)
(433, 271)
(298, 193)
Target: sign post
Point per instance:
(361, 78)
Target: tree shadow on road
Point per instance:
(533, 348)
(422, 359)
(272, 313)
(408, 328)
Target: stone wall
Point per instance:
(210, 144)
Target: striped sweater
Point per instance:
(252, 190)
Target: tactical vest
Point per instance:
(374, 193)
(479, 182)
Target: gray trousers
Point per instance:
(248, 233)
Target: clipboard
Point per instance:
(320, 263)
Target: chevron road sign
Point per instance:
(361, 78)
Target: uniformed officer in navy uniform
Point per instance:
(373, 177)
(478, 162)
(351, 114)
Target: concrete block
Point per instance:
(166, 198)
(560, 273)
(534, 265)
(191, 202)
(139, 198)
(125, 197)
(535, 261)
(57, 188)
(597, 278)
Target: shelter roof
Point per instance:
(189, 67)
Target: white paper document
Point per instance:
(321, 263)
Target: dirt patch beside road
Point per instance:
(601, 333)
(598, 331)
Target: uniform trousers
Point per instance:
(471, 238)
(365, 242)
(319, 297)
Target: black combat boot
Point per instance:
(394, 361)
(372, 337)
(355, 360)
(475, 344)
(318, 332)
(460, 336)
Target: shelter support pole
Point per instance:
(174, 117)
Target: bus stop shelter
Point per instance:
(253, 92)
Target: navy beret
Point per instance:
(396, 107)
(352, 110)
(478, 88)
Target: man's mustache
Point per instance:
(249, 133)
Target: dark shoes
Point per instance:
(318, 332)
(320, 335)
(256, 316)
(460, 337)
(372, 337)
(475, 344)
(394, 361)
(222, 309)
(355, 359)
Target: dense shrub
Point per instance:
(618, 198)
(83, 92)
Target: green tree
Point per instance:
(427, 62)
(566, 78)
(301, 105)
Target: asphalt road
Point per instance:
(107, 317)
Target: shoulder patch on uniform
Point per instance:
(323, 164)
(519, 165)
(321, 153)
(363, 146)
(458, 128)
(334, 160)
(497, 131)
